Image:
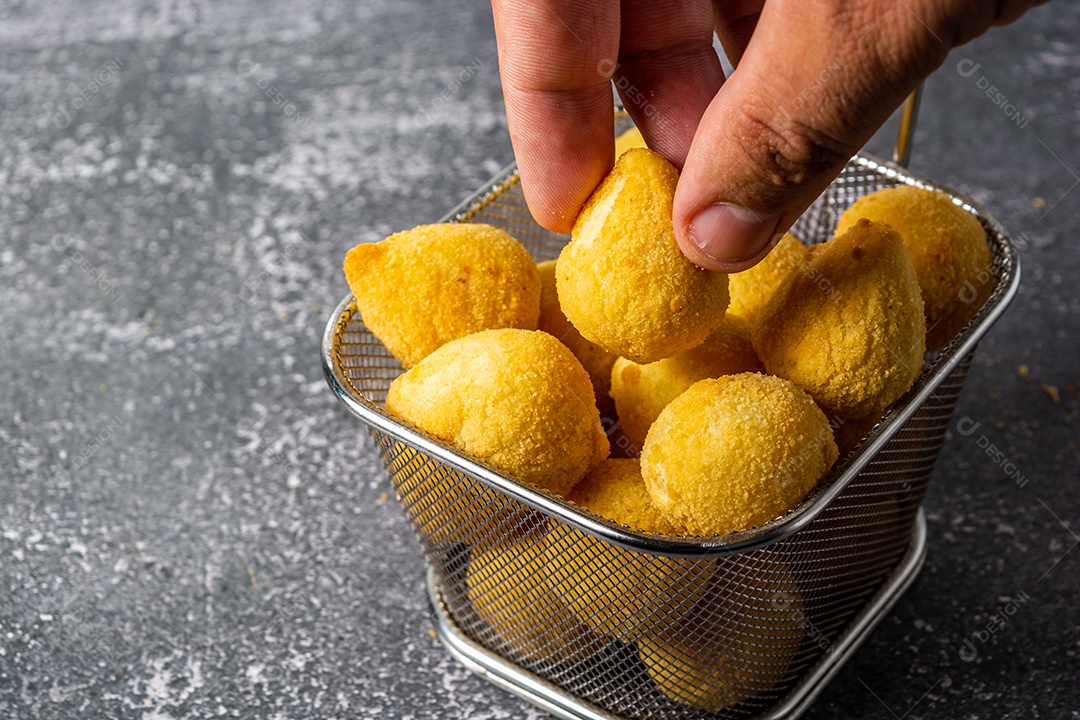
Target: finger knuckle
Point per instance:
(791, 152)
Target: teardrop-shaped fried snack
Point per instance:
(421, 288)
(596, 360)
(517, 400)
(618, 592)
(848, 326)
(642, 391)
(735, 452)
(740, 640)
(751, 289)
(947, 248)
(622, 280)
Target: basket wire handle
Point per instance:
(905, 134)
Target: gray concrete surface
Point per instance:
(192, 527)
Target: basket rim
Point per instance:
(796, 519)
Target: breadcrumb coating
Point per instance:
(735, 452)
(622, 280)
(642, 391)
(615, 490)
(947, 248)
(848, 327)
(424, 287)
(517, 400)
(751, 289)
(596, 360)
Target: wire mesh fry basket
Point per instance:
(588, 619)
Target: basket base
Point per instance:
(553, 699)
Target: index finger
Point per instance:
(556, 58)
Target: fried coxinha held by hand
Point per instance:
(814, 80)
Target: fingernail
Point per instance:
(729, 232)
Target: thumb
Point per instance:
(816, 80)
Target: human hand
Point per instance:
(815, 80)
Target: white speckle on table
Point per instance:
(254, 673)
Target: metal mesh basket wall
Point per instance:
(640, 626)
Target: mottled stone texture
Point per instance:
(192, 526)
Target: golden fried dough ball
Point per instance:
(632, 138)
(448, 507)
(507, 589)
(751, 289)
(421, 288)
(621, 593)
(735, 452)
(739, 641)
(517, 400)
(642, 391)
(947, 248)
(622, 280)
(614, 490)
(847, 327)
(596, 360)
